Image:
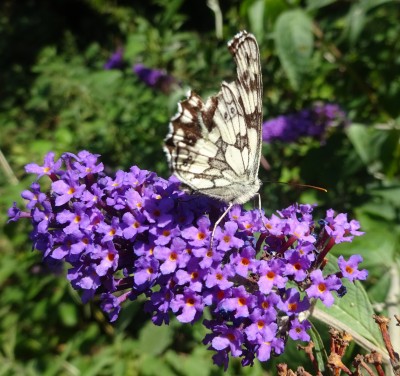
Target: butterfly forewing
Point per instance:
(214, 148)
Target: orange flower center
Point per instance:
(270, 275)
(292, 306)
(227, 238)
(349, 269)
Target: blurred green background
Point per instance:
(56, 95)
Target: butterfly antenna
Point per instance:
(298, 185)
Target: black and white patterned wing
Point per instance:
(215, 147)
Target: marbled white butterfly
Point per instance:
(214, 148)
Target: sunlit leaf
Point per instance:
(294, 44)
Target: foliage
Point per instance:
(57, 96)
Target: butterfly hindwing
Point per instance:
(214, 147)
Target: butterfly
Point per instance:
(214, 148)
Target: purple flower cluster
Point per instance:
(137, 234)
(312, 122)
(116, 60)
(155, 78)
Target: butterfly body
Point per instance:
(214, 148)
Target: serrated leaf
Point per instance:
(294, 43)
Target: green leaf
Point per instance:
(369, 4)
(379, 290)
(390, 153)
(155, 339)
(294, 43)
(389, 194)
(317, 4)
(256, 18)
(68, 313)
(152, 366)
(197, 364)
(319, 348)
(359, 135)
(273, 8)
(351, 313)
(356, 19)
(135, 45)
(381, 238)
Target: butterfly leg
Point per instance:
(260, 210)
(218, 222)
